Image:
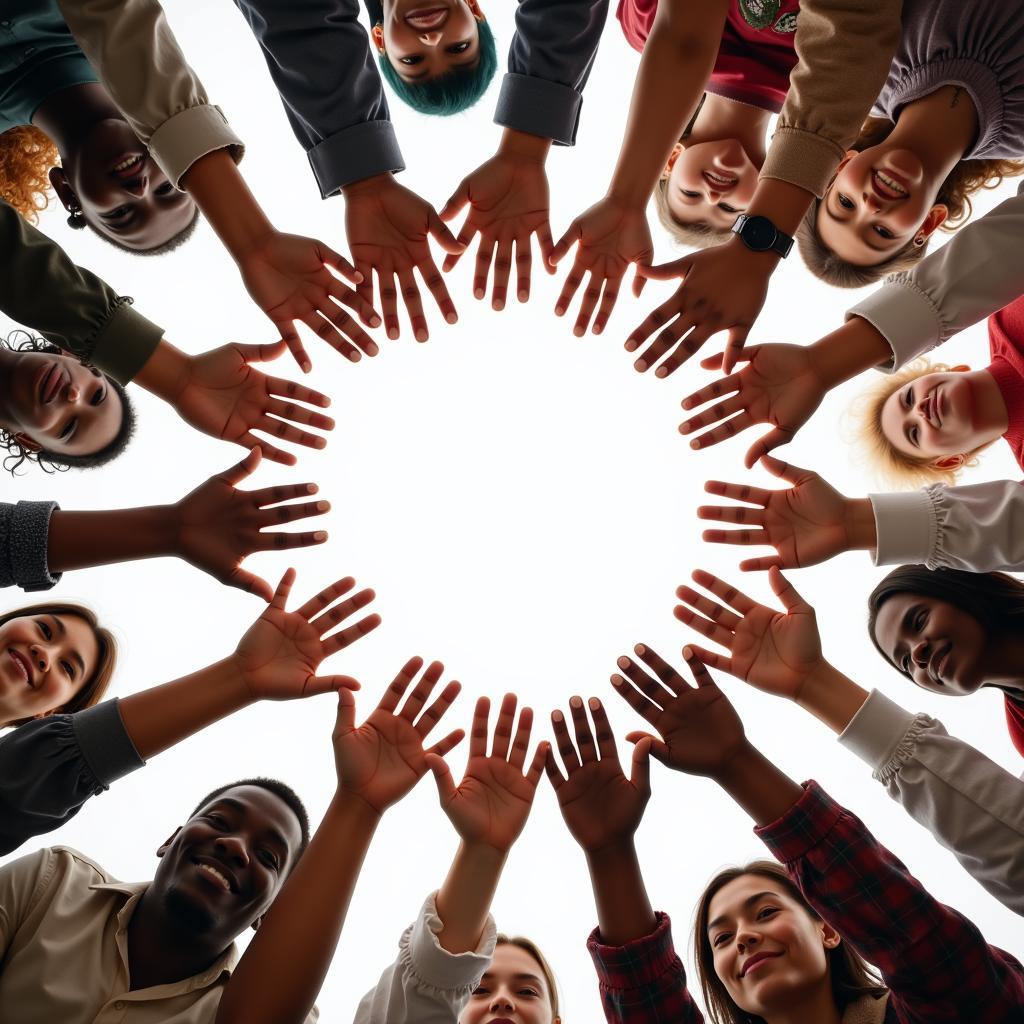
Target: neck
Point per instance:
(990, 414)
(69, 115)
(814, 1007)
(161, 951)
(1005, 663)
(722, 118)
(939, 128)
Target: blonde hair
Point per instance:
(697, 235)
(531, 948)
(26, 156)
(895, 467)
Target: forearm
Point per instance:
(831, 697)
(79, 540)
(278, 978)
(861, 533)
(165, 373)
(853, 348)
(624, 911)
(464, 899)
(163, 716)
(764, 791)
(524, 145)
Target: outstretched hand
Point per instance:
(280, 653)
(600, 806)
(611, 236)
(491, 804)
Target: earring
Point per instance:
(76, 218)
(919, 241)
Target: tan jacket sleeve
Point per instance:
(845, 48)
(137, 58)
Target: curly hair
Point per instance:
(51, 462)
(697, 235)
(26, 156)
(966, 178)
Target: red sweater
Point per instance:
(1006, 343)
(756, 55)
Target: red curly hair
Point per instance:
(26, 156)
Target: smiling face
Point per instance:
(425, 39)
(513, 990)
(879, 202)
(223, 868)
(766, 948)
(710, 183)
(55, 403)
(938, 645)
(44, 661)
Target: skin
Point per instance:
(710, 183)
(425, 39)
(512, 989)
(752, 915)
(52, 401)
(60, 652)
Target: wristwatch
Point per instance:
(761, 235)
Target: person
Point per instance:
(519, 981)
(725, 287)
(949, 121)
(59, 127)
(793, 941)
(67, 747)
(971, 805)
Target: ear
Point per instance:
(847, 157)
(948, 463)
(936, 218)
(377, 34)
(167, 842)
(830, 938)
(672, 158)
(65, 193)
(474, 6)
(27, 443)
(960, 368)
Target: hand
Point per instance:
(806, 523)
(723, 290)
(775, 651)
(491, 804)
(601, 807)
(508, 203)
(700, 730)
(217, 526)
(287, 277)
(779, 385)
(611, 235)
(281, 651)
(388, 227)
(224, 396)
(383, 759)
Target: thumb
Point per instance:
(263, 353)
(443, 236)
(338, 262)
(669, 271)
(238, 472)
(457, 201)
(760, 449)
(640, 775)
(734, 348)
(573, 235)
(345, 722)
(443, 777)
(315, 685)
(655, 748)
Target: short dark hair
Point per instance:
(172, 243)
(450, 93)
(281, 790)
(51, 462)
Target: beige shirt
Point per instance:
(64, 954)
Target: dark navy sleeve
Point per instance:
(24, 534)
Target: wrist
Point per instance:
(859, 523)
(756, 261)
(368, 185)
(739, 766)
(611, 856)
(524, 145)
(354, 809)
(166, 373)
(831, 697)
(232, 680)
(848, 351)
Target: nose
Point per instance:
(920, 652)
(502, 1002)
(73, 393)
(430, 38)
(233, 849)
(871, 201)
(136, 186)
(40, 657)
(746, 940)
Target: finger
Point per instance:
(708, 608)
(708, 393)
(438, 709)
(667, 675)
(657, 318)
(786, 592)
(739, 492)
(555, 776)
(524, 268)
(325, 330)
(448, 744)
(503, 727)
(730, 428)
(682, 352)
(651, 688)
(338, 263)
(478, 734)
(337, 613)
(591, 294)
(564, 244)
(318, 602)
(581, 726)
(365, 287)
(639, 280)
(349, 328)
(744, 537)
(566, 749)
(315, 685)
(282, 514)
(716, 412)
(608, 299)
(656, 748)
(640, 769)
(482, 267)
(701, 676)
(245, 580)
(572, 283)
(238, 472)
(457, 201)
(349, 635)
(296, 392)
(354, 299)
(388, 302)
(547, 246)
(733, 347)
(726, 591)
(669, 271)
(442, 235)
(413, 304)
(765, 562)
(446, 788)
(637, 701)
(264, 352)
(284, 431)
(288, 541)
(436, 286)
(785, 470)
(521, 743)
(294, 343)
(502, 270)
(396, 689)
(712, 658)
(423, 689)
(772, 440)
(730, 514)
(602, 730)
(706, 627)
(536, 768)
(284, 588)
(270, 452)
(345, 721)
(299, 414)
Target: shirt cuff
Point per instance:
(876, 731)
(190, 134)
(637, 964)
(125, 343)
(907, 319)
(906, 529)
(803, 158)
(28, 541)
(539, 107)
(362, 151)
(803, 827)
(438, 968)
(107, 748)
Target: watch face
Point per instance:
(759, 233)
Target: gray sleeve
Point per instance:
(549, 62)
(319, 58)
(969, 803)
(24, 534)
(51, 766)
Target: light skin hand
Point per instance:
(612, 234)
(388, 230)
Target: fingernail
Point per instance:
(306, 367)
(575, 702)
(559, 310)
(392, 333)
(421, 335)
(631, 345)
(598, 328)
(594, 703)
(578, 331)
(523, 296)
(687, 653)
(372, 349)
(452, 318)
(311, 488)
(640, 365)
(557, 716)
(623, 662)
(661, 372)
(617, 680)
(695, 443)
(684, 428)
(354, 356)
(323, 506)
(320, 535)
(640, 649)
(321, 442)
(478, 293)
(375, 321)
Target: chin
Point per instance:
(188, 911)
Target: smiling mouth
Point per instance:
(215, 875)
(24, 667)
(129, 166)
(931, 407)
(888, 187)
(755, 961)
(718, 182)
(50, 380)
(938, 665)
(427, 19)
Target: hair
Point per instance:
(531, 948)
(994, 599)
(172, 243)
(452, 92)
(895, 467)
(849, 973)
(697, 235)
(26, 156)
(281, 790)
(966, 178)
(51, 462)
(93, 689)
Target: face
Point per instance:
(221, 870)
(425, 39)
(710, 183)
(56, 403)
(933, 416)
(120, 189)
(766, 947)
(44, 661)
(939, 646)
(879, 201)
(512, 991)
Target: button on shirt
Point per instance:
(64, 953)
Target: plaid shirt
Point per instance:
(935, 962)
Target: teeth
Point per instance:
(719, 178)
(890, 183)
(214, 873)
(125, 164)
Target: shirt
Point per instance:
(24, 535)
(56, 893)
(1015, 721)
(1006, 343)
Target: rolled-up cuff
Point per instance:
(362, 151)
(539, 107)
(803, 158)
(906, 528)
(125, 343)
(105, 744)
(436, 966)
(907, 319)
(876, 730)
(27, 543)
(190, 134)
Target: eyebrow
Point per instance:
(416, 78)
(518, 977)
(237, 805)
(845, 220)
(748, 902)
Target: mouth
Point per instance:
(23, 665)
(128, 166)
(931, 407)
(427, 19)
(752, 963)
(719, 182)
(216, 874)
(937, 667)
(887, 186)
(500, 1020)
(49, 381)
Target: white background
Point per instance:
(524, 506)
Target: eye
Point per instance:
(99, 396)
(118, 214)
(165, 189)
(727, 208)
(45, 629)
(922, 619)
(412, 61)
(908, 397)
(690, 195)
(883, 232)
(905, 664)
(765, 912)
(69, 670)
(459, 47)
(721, 939)
(217, 821)
(844, 202)
(69, 429)
(480, 990)
(914, 436)
(270, 859)
(529, 992)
